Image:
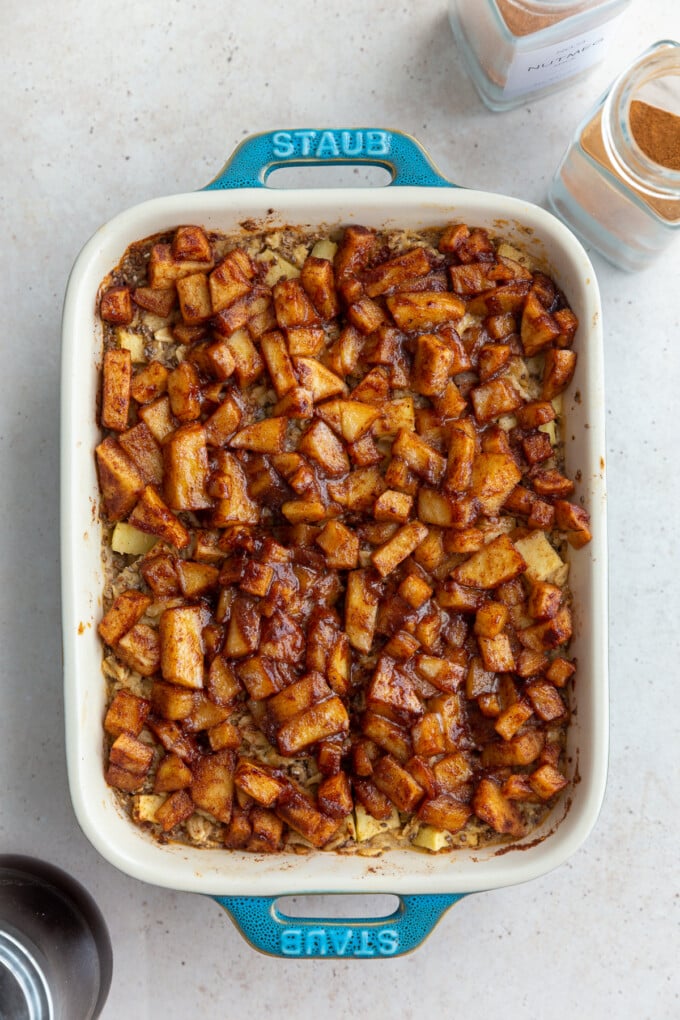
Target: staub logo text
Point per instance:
(339, 942)
(330, 144)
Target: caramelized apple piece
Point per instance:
(116, 381)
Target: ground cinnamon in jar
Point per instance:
(657, 132)
(593, 144)
(618, 184)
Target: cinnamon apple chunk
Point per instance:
(420, 457)
(401, 545)
(349, 418)
(122, 779)
(277, 360)
(545, 700)
(149, 383)
(492, 807)
(165, 268)
(319, 380)
(494, 476)
(497, 301)
(298, 402)
(248, 363)
(171, 701)
(398, 784)
(141, 447)
(451, 772)
(185, 464)
(152, 516)
(321, 445)
(175, 809)
(139, 649)
(424, 310)
(494, 564)
(258, 782)
(172, 774)
(366, 315)
(495, 398)
(522, 749)
(231, 279)
(267, 831)
(340, 546)
(265, 436)
(296, 698)
(446, 674)
(259, 676)
(372, 801)
(234, 504)
(194, 299)
(361, 610)
(204, 714)
(546, 781)
(324, 719)
(392, 272)
(127, 609)
(181, 646)
(116, 382)
(445, 812)
(575, 520)
(387, 734)
(433, 363)
(131, 754)
(115, 306)
(391, 693)
(461, 456)
(558, 372)
(126, 714)
(120, 480)
(212, 785)
(243, 635)
(497, 654)
(297, 810)
(549, 633)
(539, 329)
(292, 304)
(318, 280)
(415, 590)
(159, 418)
(335, 795)
(512, 719)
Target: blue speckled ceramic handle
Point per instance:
(277, 934)
(400, 154)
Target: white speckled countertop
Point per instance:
(107, 105)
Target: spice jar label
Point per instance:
(531, 70)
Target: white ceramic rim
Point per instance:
(221, 872)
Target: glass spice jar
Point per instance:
(520, 49)
(618, 185)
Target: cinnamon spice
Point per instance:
(657, 132)
(591, 140)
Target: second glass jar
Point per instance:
(618, 185)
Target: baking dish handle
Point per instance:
(270, 931)
(258, 155)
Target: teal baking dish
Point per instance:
(247, 885)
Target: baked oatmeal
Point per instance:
(337, 612)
